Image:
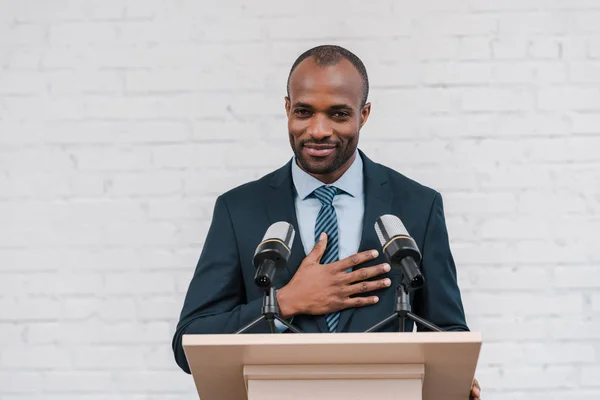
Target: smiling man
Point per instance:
(332, 193)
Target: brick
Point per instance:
(143, 184)
(549, 73)
(587, 123)
(154, 283)
(497, 99)
(587, 72)
(586, 22)
(105, 132)
(21, 58)
(510, 48)
(553, 377)
(83, 32)
(480, 203)
(39, 185)
(405, 74)
(19, 383)
(105, 158)
(545, 48)
(570, 5)
(189, 156)
(69, 82)
(527, 23)
(176, 105)
(591, 376)
(475, 48)
(530, 329)
(575, 277)
(510, 5)
(575, 98)
(574, 47)
(456, 74)
(17, 34)
(459, 25)
(535, 353)
(525, 304)
(595, 302)
(79, 307)
(153, 31)
(107, 357)
(505, 278)
(158, 308)
(52, 283)
(36, 357)
(546, 203)
(21, 83)
(41, 108)
(118, 308)
(443, 48)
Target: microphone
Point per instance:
(400, 250)
(273, 253)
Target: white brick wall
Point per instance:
(121, 121)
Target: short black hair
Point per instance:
(327, 55)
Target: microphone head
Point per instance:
(395, 240)
(281, 231)
(273, 252)
(389, 226)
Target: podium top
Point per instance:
(331, 338)
(450, 358)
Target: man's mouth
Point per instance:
(319, 150)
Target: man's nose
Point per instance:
(320, 127)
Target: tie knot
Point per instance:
(326, 194)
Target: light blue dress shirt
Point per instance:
(349, 208)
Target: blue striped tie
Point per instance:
(327, 222)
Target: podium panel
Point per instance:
(334, 382)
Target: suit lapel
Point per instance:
(280, 207)
(378, 201)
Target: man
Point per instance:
(332, 194)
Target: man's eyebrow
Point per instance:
(341, 107)
(302, 105)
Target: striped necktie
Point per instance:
(327, 222)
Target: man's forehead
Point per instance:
(341, 81)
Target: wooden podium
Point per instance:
(334, 366)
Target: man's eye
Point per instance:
(340, 114)
(302, 113)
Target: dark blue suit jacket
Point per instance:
(222, 296)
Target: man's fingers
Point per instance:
(476, 390)
(364, 287)
(319, 249)
(366, 273)
(360, 301)
(357, 259)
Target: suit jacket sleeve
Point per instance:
(215, 301)
(439, 300)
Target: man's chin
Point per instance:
(317, 166)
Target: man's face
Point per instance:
(325, 115)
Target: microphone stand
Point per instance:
(402, 311)
(270, 313)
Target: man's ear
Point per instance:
(364, 114)
(288, 106)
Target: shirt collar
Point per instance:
(351, 182)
